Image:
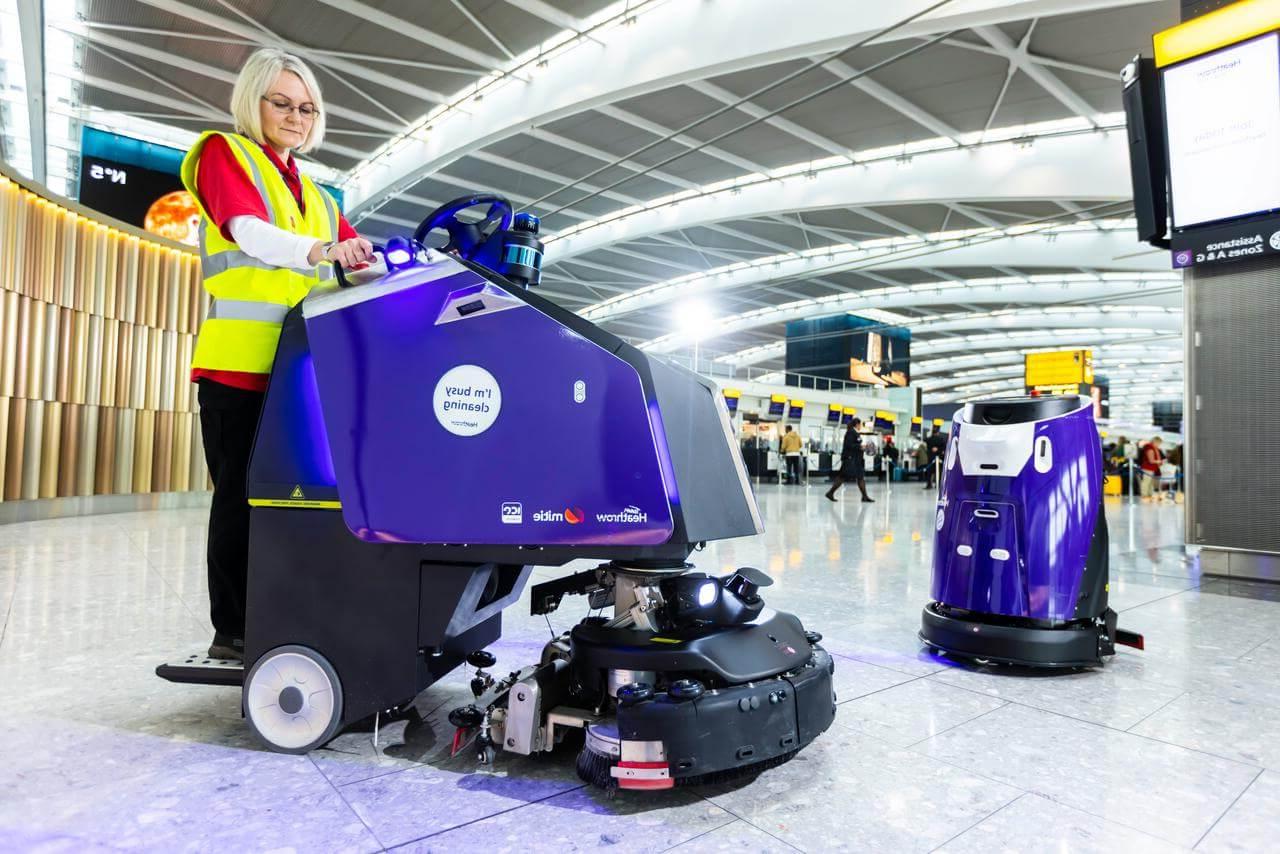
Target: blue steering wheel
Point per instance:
(466, 237)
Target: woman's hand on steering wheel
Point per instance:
(352, 254)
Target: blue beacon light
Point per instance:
(399, 253)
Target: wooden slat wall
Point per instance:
(97, 328)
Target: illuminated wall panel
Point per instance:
(97, 329)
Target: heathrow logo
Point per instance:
(630, 515)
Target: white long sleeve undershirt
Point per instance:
(269, 244)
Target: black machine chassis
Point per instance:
(750, 726)
(1028, 643)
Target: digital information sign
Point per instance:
(1222, 113)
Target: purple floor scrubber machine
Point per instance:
(433, 430)
(1020, 559)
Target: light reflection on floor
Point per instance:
(1167, 749)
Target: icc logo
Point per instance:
(512, 513)
(1275, 241)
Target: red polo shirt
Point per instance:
(227, 191)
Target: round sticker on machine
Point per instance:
(940, 520)
(467, 400)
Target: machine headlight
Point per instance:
(707, 593)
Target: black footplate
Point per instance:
(200, 669)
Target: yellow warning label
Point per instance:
(665, 640)
(297, 493)
(285, 502)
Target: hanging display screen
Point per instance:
(1222, 113)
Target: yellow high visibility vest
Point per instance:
(250, 298)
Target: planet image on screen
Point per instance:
(175, 216)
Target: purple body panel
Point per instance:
(1043, 520)
(570, 459)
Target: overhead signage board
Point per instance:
(1058, 368)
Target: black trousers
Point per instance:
(856, 476)
(228, 422)
(793, 469)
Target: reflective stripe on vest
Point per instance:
(239, 309)
(251, 298)
(256, 173)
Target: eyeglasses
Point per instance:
(284, 107)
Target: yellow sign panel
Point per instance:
(778, 398)
(1072, 388)
(1227, 25)
(1060, 368)
(917, 420)
(732, 392)
(835, 407)
(797, 404)
(886, 416)
(849, 410)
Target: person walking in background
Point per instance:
(791, 451)
(852, 466)
(1150, 461)
(937, 444)
(920, 456)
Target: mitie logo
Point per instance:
(572, 515)
(630, 515)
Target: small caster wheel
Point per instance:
(482, 658)
(487, 755)
(466, 717)
(634, 693)
(293, 699)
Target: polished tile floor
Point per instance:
(1174, 748)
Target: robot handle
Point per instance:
(341, 276)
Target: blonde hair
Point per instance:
(255, 79)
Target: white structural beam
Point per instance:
(148, 96)
(196, 110)
(756, 111)
(653, 54)
(403, 27)
(1065, 322)
(1058, 339)
(1085, 166)
(893, 100)
(548, 13)
(1056, 249)
(259, 35)
(31, 30)
(1039, 59)
(1050, 82)
(1155, 352)
(1154, 318)
(980, 348)
(98, 37)
(1114, 374)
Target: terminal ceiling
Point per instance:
(1039, 76)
